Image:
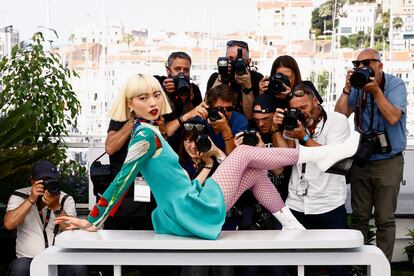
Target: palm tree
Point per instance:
(128, 39)
(397, 22)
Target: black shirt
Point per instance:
(177, 103)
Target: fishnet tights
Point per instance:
(246, 167)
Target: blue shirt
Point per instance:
(396, 93)
(237, 124)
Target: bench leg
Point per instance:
(117, 270)
(301, 270)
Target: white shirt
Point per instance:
(30, 241)
(325, 191)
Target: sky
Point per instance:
(65, 16)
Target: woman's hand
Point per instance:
(74, 223)
(238, 139)
(263, 84)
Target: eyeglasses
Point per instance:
(190, 126)
(225, 108)
(238, 43)
(364, 62)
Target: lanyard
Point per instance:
(44, 223)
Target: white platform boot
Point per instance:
(288, 220)
(325, 156)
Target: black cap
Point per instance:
(315, 92)
(44, 168)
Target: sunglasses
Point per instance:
(299, 93)
(238, 43)
(190, 126)
(226, 108)
(364, 62)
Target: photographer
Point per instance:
(379, 101)
(32, 212)
(184, 95)
(243, 80)
(317, 199)
(223, 121)
(284, 75)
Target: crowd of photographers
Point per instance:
(241, 106)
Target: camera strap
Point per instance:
(359, 111)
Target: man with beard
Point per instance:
(316, 199)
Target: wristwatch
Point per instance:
(304, 139)
(247, 90)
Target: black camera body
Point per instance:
(361, 77)
(223, 69)
(182, 85)
(52, 186)
(375, 142)
(250, 137)
(213, 113)
(291, 118)
(239, 65)
(276, 82)
(203, 142)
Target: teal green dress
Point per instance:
(184, 207)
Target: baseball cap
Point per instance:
(44, 168)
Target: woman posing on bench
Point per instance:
(184, 207)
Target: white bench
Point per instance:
(278, 247)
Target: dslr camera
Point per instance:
(52, 186)
(182, 85)
(375, 142)
(250, 137)
(213, 113)
(276, 82)
(361, 77)
(238, 66)
(291, 118)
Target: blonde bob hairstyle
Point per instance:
(136, 85)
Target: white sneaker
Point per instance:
(288, 220)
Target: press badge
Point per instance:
(142, 192)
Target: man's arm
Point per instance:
(116, 139)
(15, 215)
(389, 112)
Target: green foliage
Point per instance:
(33, 75)
(320, 81)
(37, 106)
(410, 246)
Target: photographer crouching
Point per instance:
(379, 102)
(32, 212)
(317, 199)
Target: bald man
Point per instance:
(379, 101)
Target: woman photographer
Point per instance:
(184, 207)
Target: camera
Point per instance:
(250, 137)
(375, 142)
(202, 141)
(52, 186)
(213, 113)
(182, 85)
(239, 66)
(276, 82)
(263, 220)
(223, 69)
(361, 76)
(291, 118)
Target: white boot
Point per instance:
(288, 220)
(327, 155)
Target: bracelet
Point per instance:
(346, 93)
(228, 139)
(205, 167)
(30, 201)
(304, 139)
(181, 120)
